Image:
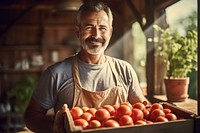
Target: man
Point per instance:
(89, 78)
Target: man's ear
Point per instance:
(77, 32)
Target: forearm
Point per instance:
(140, 98)
(38, 122)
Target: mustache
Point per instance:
(92, 39)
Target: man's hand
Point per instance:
(58, 126)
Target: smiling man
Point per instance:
(89, 78)
(94, 30)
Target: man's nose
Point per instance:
(96, 33)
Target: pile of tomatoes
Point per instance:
(124, 114)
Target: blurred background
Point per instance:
(37, 33)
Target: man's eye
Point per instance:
(88, 28)
(102, 28)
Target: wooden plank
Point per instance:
(150, 60)
(162, 4)
(175, 127)
(189, 105)
(196, 125)
(198, 88)
(135, 11)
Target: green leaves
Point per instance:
(21, 92)
(178, 52)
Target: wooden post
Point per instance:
(150, 61)
(198, 89)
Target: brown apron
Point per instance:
(83, 97)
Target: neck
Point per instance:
(91, 59)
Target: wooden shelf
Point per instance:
(10, 121)
(190, 104)
(32, 70)
(61, 47)
(20, 47)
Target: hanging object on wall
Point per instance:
(55, 56)
(67, 5)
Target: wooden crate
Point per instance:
(185, 125)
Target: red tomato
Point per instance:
(161, 119)
(127, 103)
(76, 112)
(156, 106)
(166, 111)
(94, 124)
(85, 109)
(114, 118)
(146, 114)
(81, 122)
(87, 116)
(137, 114)
(102, 114)
(140, 106)
(148, 108)
(115, 107)
(155, 113)
(171, 117)
(149, 122)
(110, 109)
(125, 120)
(140, 122)
(92, 111)
(111, 123)
(123, 110)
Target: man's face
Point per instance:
(94, 32)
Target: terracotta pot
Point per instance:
(177, 89)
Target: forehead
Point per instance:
(94, 17)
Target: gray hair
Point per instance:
(96, 7)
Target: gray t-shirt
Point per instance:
(56, 86)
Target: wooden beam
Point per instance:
(39, 5)
(162, 4)
(135, 12)
(198, 87)
(150, 60)
(15, 20)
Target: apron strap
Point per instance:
(75, 70)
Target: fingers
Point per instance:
(58, 126)
(60, 113)
(64, 108)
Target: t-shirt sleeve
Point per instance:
(44, 93)
(129, 78)
(134, 87)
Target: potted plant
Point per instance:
(21, 92)
(179, 53)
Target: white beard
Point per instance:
(95, 50)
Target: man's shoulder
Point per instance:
(61, 66)
(118, 61)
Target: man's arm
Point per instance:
(140, 98)
(36, 119)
